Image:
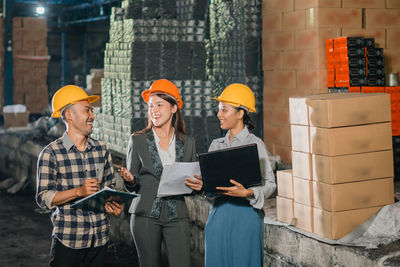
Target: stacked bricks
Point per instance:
(234, 49)
(342, 160)
(294, 61)
(30, 63)
(2, 95)
(151, 40)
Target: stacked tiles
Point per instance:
(1, 65)
(354, 65)
(342, 160)
(148, 41)
(30, 65)
(190, 9)
(234, 48)
(284, 199)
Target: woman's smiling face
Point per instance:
(160, 111)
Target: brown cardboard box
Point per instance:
(335, 225)
(300, 138)
(339, 109)
(344, 109)
(356, 195)
(284, 180)
(303, 191)
(284, 209)
(16, 119)
(350, 140)
(298, 110)
(302, 165)
(352, 168)
(303, 217)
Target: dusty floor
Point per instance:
(25, 235)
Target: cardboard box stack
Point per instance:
(342, 160)
(93, 84)
(284, 199)
(30, 63)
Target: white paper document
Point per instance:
(173, 178)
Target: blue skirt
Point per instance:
(234, 234)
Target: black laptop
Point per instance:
(239, 163)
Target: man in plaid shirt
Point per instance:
(69, 168)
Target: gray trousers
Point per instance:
(148, 234)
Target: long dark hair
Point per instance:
(246, 119)
(178, 122)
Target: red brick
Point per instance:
(311, 18)
(272, 22)
(378, 34)
(282, 40)
(304, 4)
(278, 134)
(282, 116)
(295, 20)
(272, 60)
(392, 38)
(392, 4)
(266, 41)
(363, 3)
(269, 6)
(382, 18)
(307, 79)
(306, 39)
(273, 133)
(284, 79)
(339, 17)
(273, 97)
(298, 59)
(392, 60)
(285, 152)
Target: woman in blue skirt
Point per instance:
(235, 227)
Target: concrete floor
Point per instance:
(25, 236)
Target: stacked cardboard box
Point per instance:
(30, 63)
(284, 199)
(342, 151)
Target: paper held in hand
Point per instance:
(173, 178)
(96, 201)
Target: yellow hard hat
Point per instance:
(69, 94)
(238, 95)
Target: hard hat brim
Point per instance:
(231, 103)
(147, 93)
(90, 99)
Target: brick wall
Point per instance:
(294, 63)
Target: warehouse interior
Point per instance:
(325, 75)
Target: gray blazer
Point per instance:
(144, 163)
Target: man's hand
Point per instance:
(113, 208)
(238, 190)
(126, 175)
(89, 187)
(194, 184)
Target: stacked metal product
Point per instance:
(234, 48)
(150, 40)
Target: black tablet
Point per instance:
(239, 163)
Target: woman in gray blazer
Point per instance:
(162, 142)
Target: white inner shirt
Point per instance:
(167, 157)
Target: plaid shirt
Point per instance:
(61, 166)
